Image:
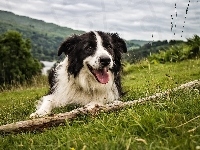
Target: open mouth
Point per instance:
(101, 74)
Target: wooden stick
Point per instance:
(41, 123)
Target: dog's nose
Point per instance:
(104, 60)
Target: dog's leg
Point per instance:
(44, 108)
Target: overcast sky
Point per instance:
(132, 19)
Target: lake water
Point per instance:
(47, 66)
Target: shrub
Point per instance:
(180, 52)
(17, 63)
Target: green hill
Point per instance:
(45, 37)
(26, 23)
(138, 42)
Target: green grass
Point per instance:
(144, 78)
(168, 123)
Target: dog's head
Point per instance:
(98, 52)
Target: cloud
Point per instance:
(132, 19)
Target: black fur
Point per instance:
(119, 48)
(78, 48)
(52, 80)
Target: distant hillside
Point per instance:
(35, 25)
(45, 37)
(135, 44)
(139, 42)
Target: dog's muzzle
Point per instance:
(101, 73)
(104, 61)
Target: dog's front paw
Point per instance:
(38, 114)
(34, 115)
(93, 105)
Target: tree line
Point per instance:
(17, 64)
(166, 51)
(178, 52)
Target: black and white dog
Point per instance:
(89, 75)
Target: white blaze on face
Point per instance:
(100, 51)
(100, 73)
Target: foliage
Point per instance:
(194, 44)
(164, 124)
(173, 54)
(148, 49)
(178, 52)
(17, 63)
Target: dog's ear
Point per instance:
(68, 45)
(119, 42)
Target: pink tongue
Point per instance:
(102, 75)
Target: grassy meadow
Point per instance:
(170, 123)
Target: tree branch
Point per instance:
(41, 123)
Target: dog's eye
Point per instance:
(89, 48)
(109, 48)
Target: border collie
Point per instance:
(89, 75)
